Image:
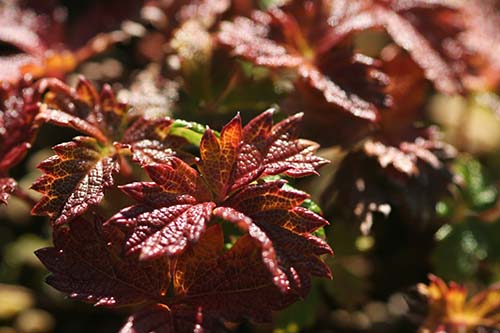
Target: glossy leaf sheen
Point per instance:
(86, 263)
(175, 209)
(74, 179)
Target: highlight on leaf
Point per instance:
(18, 109)
(175, 229)
(175, 209)
(392, 176)
(298, 36)
(77, 176)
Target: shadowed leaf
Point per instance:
(86, 263)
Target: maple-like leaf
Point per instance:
(425, 29)
(175, 209)
(76, 177)
(86, 263)
(452, 310)
(297, 36)
(407, 173)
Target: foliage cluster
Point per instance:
(191, 229)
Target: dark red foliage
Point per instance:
(175, 210)
(237, 282)
(160, 318)
(17, 129)
(407, 175)
(425, 29)
(86, 263)
(298, 36)
(217, 234)
(76, 177)
(175, 222)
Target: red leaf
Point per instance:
(296, 36)
(218, 157)
(235, 284)
(98, 115)
(289, 155)
(86, 263)
(275, 212)
(158, 231)
(159, 318)
(74, 180)
(398, 20)
(175, 210)
(17, 127)
(150, 142)
(266, 246)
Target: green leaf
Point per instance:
(479, 192)
(188, 130)
(461, 248)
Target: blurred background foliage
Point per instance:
(374, 274)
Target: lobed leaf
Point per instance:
(83, 108)
(74, 179)
(86, 263)
(155, 232)
(175, 209)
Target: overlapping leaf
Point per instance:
(86, 263)
(18, 109)
(75, 179)
(37, 43)
(232, 285)
(175, 210)
(423, 28)
(298, 36)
